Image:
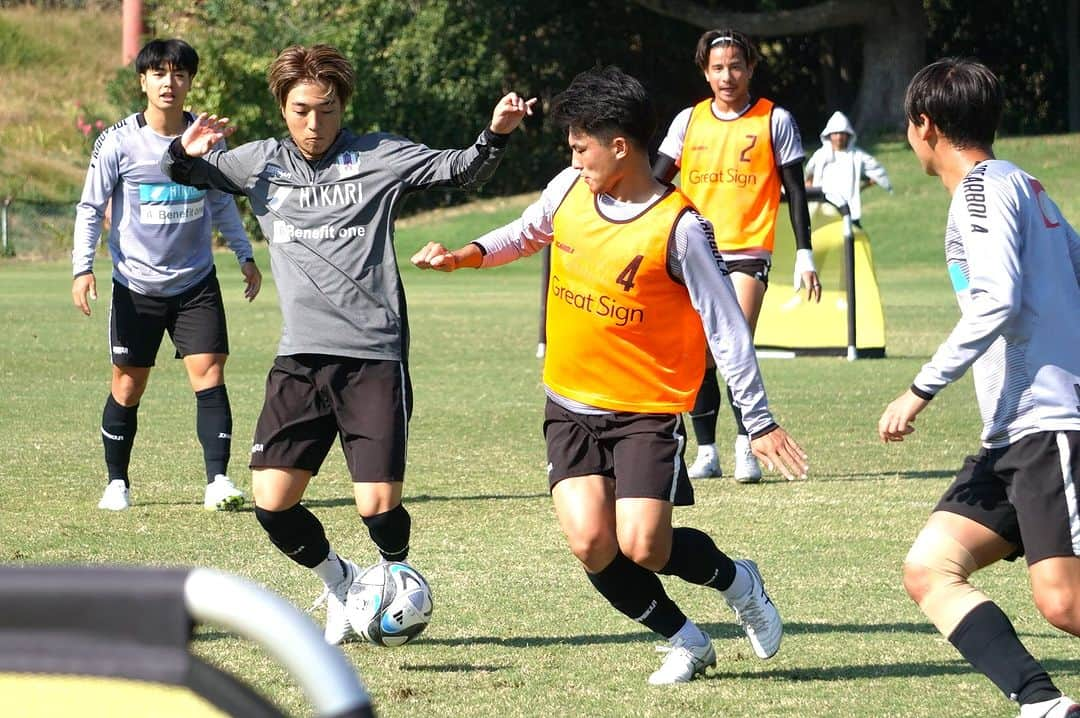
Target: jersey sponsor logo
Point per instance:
(729, 176)
(169, 193)
(272, 171)
(334, 195)
(565, 247)
(698, 148)
(602, 305)
(285, 232)
(973, 189)
(170, 213)
(1050, 216)
(710, 237)
(170, 203)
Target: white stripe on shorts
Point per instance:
(1065, 457)
(678, 457)
(404, 408)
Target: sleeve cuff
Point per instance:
(79, 274)
(483, 252)
(921, 393)
(767, 430)
(495, 139)
(176, 150)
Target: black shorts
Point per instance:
(311, 399)
(642, 453)
(1025, 492)
(195, 321)
(756, 268)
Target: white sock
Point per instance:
(690, 635)
(706, 451)
(331, 570)
(741, 586)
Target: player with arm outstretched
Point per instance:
(326, 199)
(164, 278)
(637, 292)
(733, 154)
(1014, 262)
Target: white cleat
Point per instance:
(682, 663)
(706, 465)
(222, 495)
(757, 614)
(747, 468)
(1063, 707)
(116, 496)
(337, 621)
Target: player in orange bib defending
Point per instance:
(635, 276)
(733, 154)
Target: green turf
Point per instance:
(517, 629)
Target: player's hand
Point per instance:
(252, 280)
(806, 275)
(205, 132)
(84, 285)
(812, 282)
(509, 112)
(779, 452)
(898, 420)
(435, 256)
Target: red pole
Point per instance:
(132, 30)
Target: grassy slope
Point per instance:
(42, 154)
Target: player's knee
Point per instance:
(1059, 607)
(917, 581)
(645, 552)
(936, 572)
(594, 549)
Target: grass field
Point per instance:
(517, 630)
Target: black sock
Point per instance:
(988, 641)
(118, 427)
(706, 407)
(696, 559)
(637, 593)
(297, 533)
(390, 532)
(737, 412)
(213, 424)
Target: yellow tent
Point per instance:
(790, 324)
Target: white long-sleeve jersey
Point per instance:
(1014, 263)
(692, 259)
(160, 232)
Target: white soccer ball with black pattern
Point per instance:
(389, 604)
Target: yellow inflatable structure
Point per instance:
(789, 325)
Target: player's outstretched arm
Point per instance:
(898, 420)
(779, 452)
(435, 256)
(81, 287)
(205, 132)
(509, 112)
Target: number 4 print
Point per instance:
(626, 276)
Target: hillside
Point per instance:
(52, 64)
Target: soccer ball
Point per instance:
(389, 604)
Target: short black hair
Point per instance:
(727, 37)
(167, 54)
(961, 96)
(605, 102)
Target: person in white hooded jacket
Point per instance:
(840, 167)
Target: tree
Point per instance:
(893, 43)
